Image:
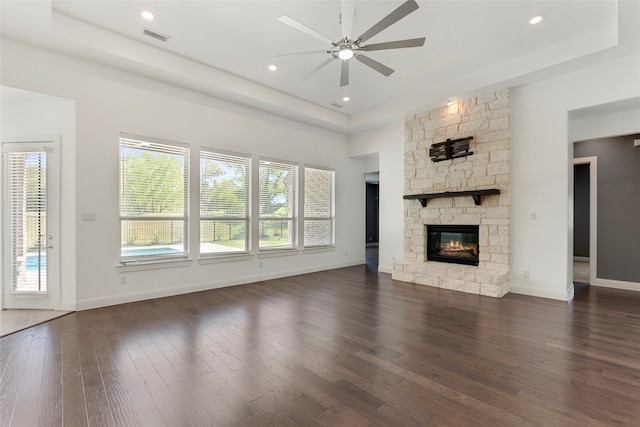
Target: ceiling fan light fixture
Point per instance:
(345, 53)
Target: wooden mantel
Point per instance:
(476, 194)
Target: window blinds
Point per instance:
(319, 195)
(224, 186)
(224, 202)
(154, 197)
(277, 203)
(27, 204)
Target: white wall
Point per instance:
(542, 178)
(388, 142)
(109, 102)
(593, 126)
(541, 168)
(39, 115)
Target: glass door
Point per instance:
(29, 225)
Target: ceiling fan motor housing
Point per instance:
(346, 50)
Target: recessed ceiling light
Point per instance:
(346, 99)
(147, 15)
(535, 20)
(272, 67)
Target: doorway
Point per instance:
(30, 223)
(372, 219)
(585, 219)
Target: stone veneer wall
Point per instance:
(486, 118)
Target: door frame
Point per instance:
(52, 299)
(593, 214)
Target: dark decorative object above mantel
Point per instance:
(450, 149)
(476, 194)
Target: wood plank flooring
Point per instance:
(345, 347)
(16, 320)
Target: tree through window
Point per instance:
(154, 194)
(319, 195)
(224, 203)
(278, 204)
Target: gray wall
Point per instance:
(618, 205)
(581, 210)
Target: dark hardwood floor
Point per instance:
(345, 347)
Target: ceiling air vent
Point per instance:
(337, 105)
(155, 35)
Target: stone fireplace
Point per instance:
(451, 198)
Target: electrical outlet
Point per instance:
(88, 217)
(123, 280)
(525, 273)
(261, 265)
(346, 253)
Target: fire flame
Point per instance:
(456, 246)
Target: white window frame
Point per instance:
(293, 208)
(332, 216)
(247, 216)
(145, 142)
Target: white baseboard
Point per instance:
(388, 269)
(68, 306)
(108, 300)
(616, 284)
(581, 258)
(542, 293)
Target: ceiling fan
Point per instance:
(348, 47)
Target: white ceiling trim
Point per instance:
(619, 34)
(193, 75)
(512, 72)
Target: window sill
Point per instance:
(154, 265)
(272, 253)
(314, 249)
(28, 295)
(216, 259)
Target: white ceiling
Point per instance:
(223, 48)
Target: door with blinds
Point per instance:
(30, 194)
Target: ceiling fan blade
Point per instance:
(399, 44)
(311, 52)
(307, 30)
(319, 67)
(344, 74)
(403, 10)
(346, 16)
(381, 68)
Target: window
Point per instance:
(277, 199)
(154, 199)
(319, 197)
(26, 197)
(224, 203)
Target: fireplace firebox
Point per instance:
(453, 243)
